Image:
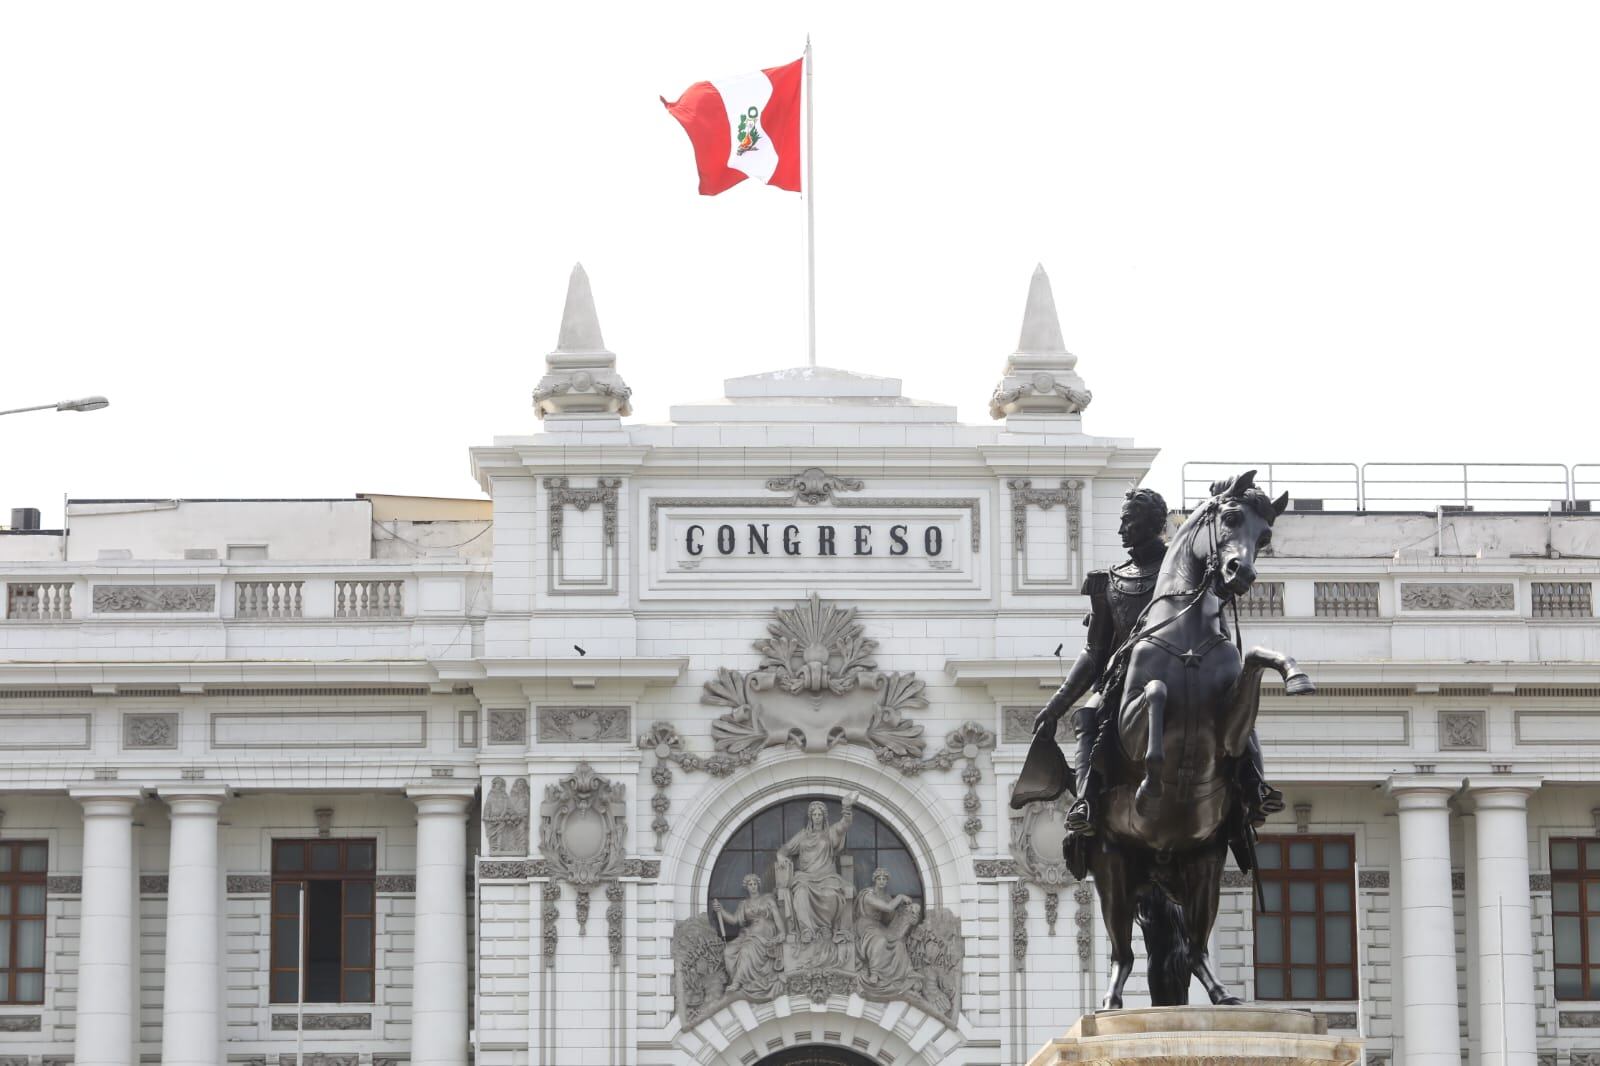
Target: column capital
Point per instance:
(1415, 792)
(442, 797)
(107, 799)
(1502, 791)
(194, 797)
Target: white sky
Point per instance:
(313, 249)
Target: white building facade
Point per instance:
(381, 780)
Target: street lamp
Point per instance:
(87, 403)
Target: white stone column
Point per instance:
(439, 962)
(1430, 1011)
(105, 1014)
(1507, 1023)
(191, 1012)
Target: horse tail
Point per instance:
(1166, 941)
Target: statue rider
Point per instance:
(1117, 599)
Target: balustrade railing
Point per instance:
(44, 601)
(268, 599)
(1264, 600)
(368, 599)
(1563, 599)
(1345, 599)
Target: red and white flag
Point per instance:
(744, 127)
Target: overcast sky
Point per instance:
(311, 249)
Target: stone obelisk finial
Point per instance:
(1039, 377)
(580, 377)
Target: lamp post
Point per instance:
(87, 403)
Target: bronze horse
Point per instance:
(1172, 805)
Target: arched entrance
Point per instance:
(815, 1055)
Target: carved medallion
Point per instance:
(582, 828)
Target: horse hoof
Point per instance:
(1111, 1003)
(1299, 683)
(1226, 1000)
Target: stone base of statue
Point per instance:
(1199, 1036)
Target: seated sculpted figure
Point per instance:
(808, 873)
(884, 957)
(754, 957)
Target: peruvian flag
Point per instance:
(744, 127)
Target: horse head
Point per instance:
(1242, 517)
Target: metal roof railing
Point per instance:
(1409, 486)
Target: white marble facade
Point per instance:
(182, 684)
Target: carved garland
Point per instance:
(604, 493)
(1024, 495)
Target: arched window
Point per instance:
(815, 1055)
(869, 844)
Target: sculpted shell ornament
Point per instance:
(817, 686)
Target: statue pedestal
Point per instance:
(1191, 1036)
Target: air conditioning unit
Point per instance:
(1572, 505)
(1299, 503)
(25, 518)
(1456, 508)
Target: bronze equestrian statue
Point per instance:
(1168, 774)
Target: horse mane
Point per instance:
(1242, 489)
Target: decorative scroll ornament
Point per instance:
(1024, 495)
(1484, 596)
(112, 599)
(582, 829)
(812, 485)
(813, 690)
(562, 495)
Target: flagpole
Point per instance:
(811, 229)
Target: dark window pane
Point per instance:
(1569, 983)
(902, 874)
(1338, 984)
(288, 855)
(1336, 939)
(1336, 855)
(284, 986)
(30, 945)
(768, 828)
(5, 986)
(1272, 893)
(1302, 855)
(1269, 984)
(1594, 937)
(1336, 896)
(285, 942)
(1565, 896)
(30, 988)
(863, 834)
(1594, 983)
(286, 897)
(322, 941)
(360, 857)
(1303, 984)
(5, 858)
(1563, 855)
(1267, 855)
(357, 987)
(30, 900)
(5, 945)
(1303, 896)
(1591, 894)
(5, 899)
(1591, 855)
(325, 858)
(358, 941)
(1269, 939)
(1569, 949)
(358, 897)
(34, 858)
(1303, 941)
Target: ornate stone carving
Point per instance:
(63, 885)
(1083, 919)
(1019, 924)
(1040, 378)
(1024, 495)
(1016, 725)
(550, 895)
(699, 975)
(1538, 882)
(20, 1023)
(1458, 880)
(815, 651)
(1343, 1019)
(562, 495)
(508, 726)
(583, 826)
(581, 912)
(1037, 832)
(116, 599)
(580, 376)
(1581, 1019)
(580, 725)
(1052, 910)
(150, 730)
(1378, 879)
(1457, 596)
(614, 900)
(505, 816)
(1461, 731)
(1545, 1058)
(323, 1022)
(396, 885)
(153, 884)
(812, 485)
(1583, 1058)
(989, 869)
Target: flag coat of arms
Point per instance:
(746, 126)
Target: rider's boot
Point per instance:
(1080, 816)
(1260, 798)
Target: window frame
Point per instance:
(1581, 876)
(1321, 875)
(345, 875)
(16, 878)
